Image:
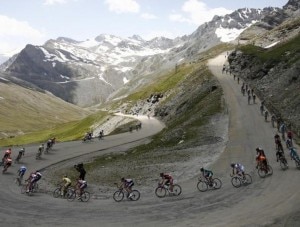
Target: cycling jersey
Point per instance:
(128, 183)
(168, 177)
(67, 180)
(22, 170)
(37, 176)
(239, 167)
(207, 173)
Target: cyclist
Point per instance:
(278, 142)
(261, 158)
(34, 178)
(262, 108)
(238, 169)
(40, 150)
(21, 153)
(127, 184)
(273, 119)
(289, 143)
(21, 172)
(167, 179)
(266, 115)
(67, 182)
(29, 180)
(7, 155)
(81, 185)
(49, 144)
(294, 154)
(249, 99)
(207, 174)
(7, 163)
(279, 155)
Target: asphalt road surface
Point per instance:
(269, 201)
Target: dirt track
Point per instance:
(268, 201)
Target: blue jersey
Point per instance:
(22, 170)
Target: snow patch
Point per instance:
(125, 80)
(227, 34)
(271, 45)
(2, 78)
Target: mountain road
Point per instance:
(272, 200)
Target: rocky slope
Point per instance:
(274, 74)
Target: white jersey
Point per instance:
(239, 167)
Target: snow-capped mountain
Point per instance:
(89, 72)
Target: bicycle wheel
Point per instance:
(160, 192)
(283, 164)
(35, 187)
(23, 189)
(217, 183)
(118, 196)
(135, 195)
(270, 170)
(262, 172)
(236, 182)
(248, 179)
(85, 196)
(202, 186)
(57, 193)
(177, 189)
(71, 195)
(68, 193)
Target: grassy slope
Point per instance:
(284, 52)
(24, 111)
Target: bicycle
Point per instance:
(204, 184)
(33, 189)
(85, 196)
(19, 180)
(119, 195)
(162, 190)
(38, 155)
(65, 194)
(239, 180)
(282, 160)
(294, 156)
(263, 170)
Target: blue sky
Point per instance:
(36, 21)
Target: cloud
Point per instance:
(53, 2)
(148, 16)
(14, 35)
(197, 12)
(123, 6)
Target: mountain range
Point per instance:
(92, 72)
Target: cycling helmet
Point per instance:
(122, 179)
(201, 169)
(161, 174)
(232, 165)
(8, 151)
(258, 149)
(65, 176)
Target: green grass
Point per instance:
(283, 52)
(63, 132)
